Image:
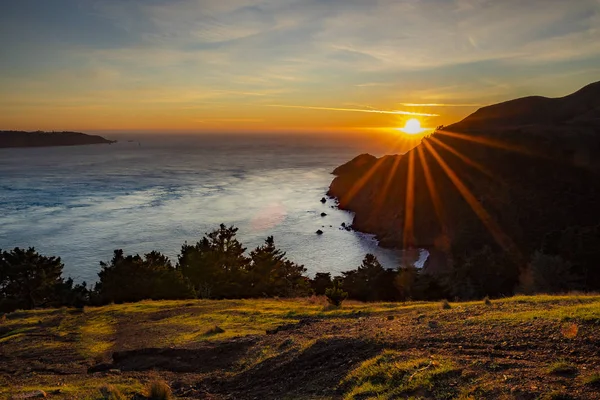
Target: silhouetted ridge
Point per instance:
(48, 139)
(534, 110)
(530, 164)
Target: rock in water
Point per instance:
(319, 232)
(323, 200)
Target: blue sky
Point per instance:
(230, 64)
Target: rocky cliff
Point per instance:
(505, 176)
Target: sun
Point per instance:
(412, 127)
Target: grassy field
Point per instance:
(538, 347)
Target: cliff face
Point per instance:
(48, 139)
(506, 175)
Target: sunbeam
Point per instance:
(409, 207)
(435, 197)
(489, 142)
(499, 236)
(464, 158)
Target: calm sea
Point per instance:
(157, 192)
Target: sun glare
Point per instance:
(412, 127)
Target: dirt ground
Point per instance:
(508, 350)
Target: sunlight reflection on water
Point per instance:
(83, 202)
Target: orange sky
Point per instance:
(261, 66)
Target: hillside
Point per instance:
(48, 139)
(507, 176)
(515, 348)
(579, 108)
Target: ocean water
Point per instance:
(157, 192)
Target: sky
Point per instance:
(284, 65)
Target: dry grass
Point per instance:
(110, 392)
(85, 336)
(592, 380)
(159, 390)
(389, 375)
(561, 367)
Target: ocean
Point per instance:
(155, 192)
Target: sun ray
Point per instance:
(359, 184)
(356, 187)
(433, 193)
(501, 238)
(464, 158)
(388, 183)
(409, 205)
(489, 142)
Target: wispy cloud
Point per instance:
(441, 105)
(182, 54)
(368, 110)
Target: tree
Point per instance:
(270, 273)
(133, 278)
(29, 280)
(321, 282)
(579, 246)
(548, 274)
(484, 272)
(415, 284)
(406, 282)
(370, 281)
(216, 265)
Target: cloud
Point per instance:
(434, 53)
(367, 110)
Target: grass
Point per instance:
(85, 388)
(110, 392)
(561, 367)
(592, 380)
(96, 332)
(159, 390)
(388, 376)
(557, 395)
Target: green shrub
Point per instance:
(335, 295)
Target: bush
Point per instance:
(159, 390)
(335, 295)
(446, 305)
(487, 301)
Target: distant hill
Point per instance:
(579, 108)
(48, 139)
(531, 164)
